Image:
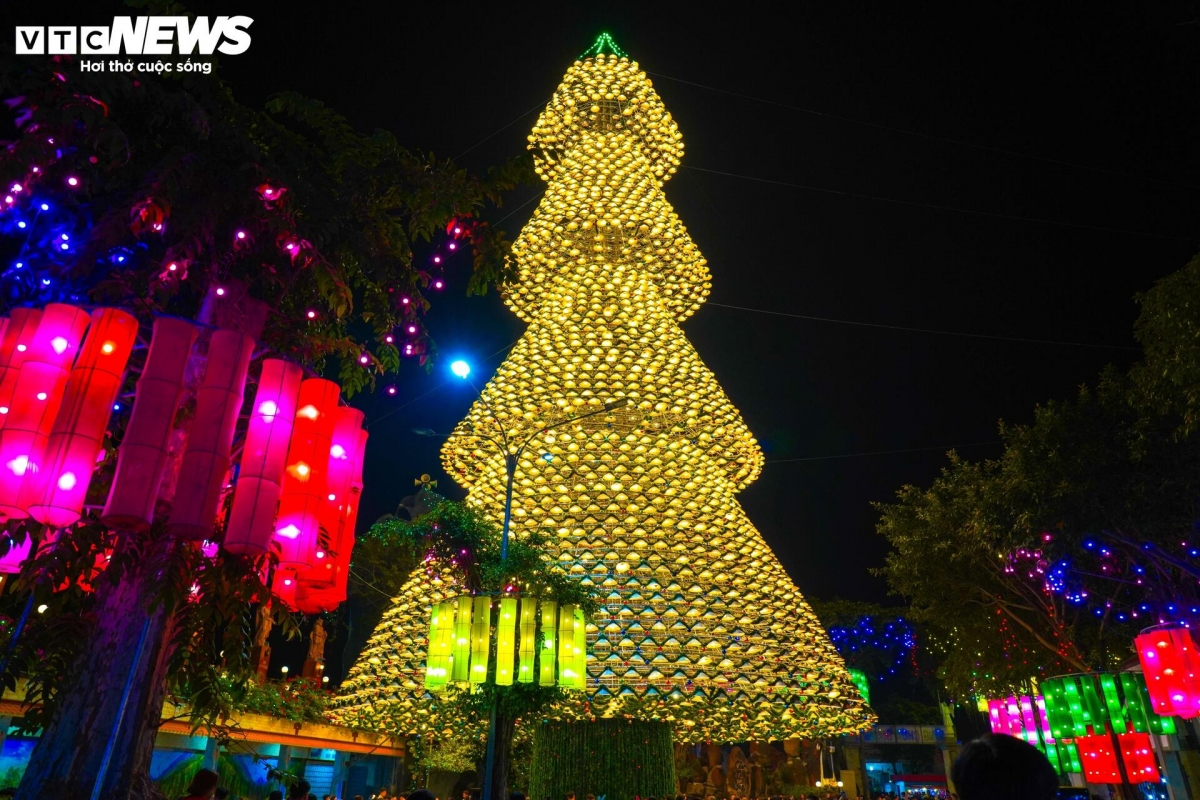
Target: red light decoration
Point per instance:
(1098, 759)
(206, 460)
(297, 529)
(264, 457)
(1138, 755)
(1170, 659)
(143, 454)
(78, 434)
(18, 333)
(36, 399)
(323, 587)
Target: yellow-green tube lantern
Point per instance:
(460, 650)
(481, 628)
(506, 641)
(528, 651)
(566, 646)
(546, 653)
(579, 651)
(441, 633)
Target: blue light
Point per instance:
(547, 457)
(45, 207)
(19, 264)
(66, 246)
(21, 224)
(120, 259)
(45, 281)
(460, 368)
(116, 406)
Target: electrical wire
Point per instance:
(930, 136)
(501, 129)
(993, 337)
(883, 452)
(994, 214)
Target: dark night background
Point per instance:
(1111, 89)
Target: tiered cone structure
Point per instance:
(700, 625)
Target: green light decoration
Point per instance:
(603, 41)
(860, 680)
(1074, 706)
(460, 642)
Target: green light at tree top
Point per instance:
(603, 41)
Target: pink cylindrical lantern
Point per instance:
(143, 453)
(206, 459)
(1171, 661)
(11, 561)
(264, 458)
(60, 487)
(298, 529)
(35, 402)
(18, 335)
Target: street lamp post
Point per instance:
(512, 457)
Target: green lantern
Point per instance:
(441, 635)
(460, 650)
(860, 680)
(506, 641)
(1075, 703)
(481, 635)
(528, 651)
(546, 655)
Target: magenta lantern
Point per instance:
(297, 530)
(60, 487)
(10, 562)
(264, 458)
(18, 335)
(143, 454)
(35, 402)
(206, 460)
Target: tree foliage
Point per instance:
(1049, 558)
(165, 187)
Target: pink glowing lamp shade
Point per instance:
(264, 459)
(297, 529)
(60, 488)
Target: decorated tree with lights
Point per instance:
(171, 200)
(701, 632)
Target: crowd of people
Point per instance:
(992, 767)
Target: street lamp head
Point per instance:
(613, 405)
(460, 368)
(424, 432)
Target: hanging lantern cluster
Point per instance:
(1092, 709)
(460, 630)
(1024, 717)
(1171, 663)
(299, 494)
(60, 371)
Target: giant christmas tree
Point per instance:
(700, 626)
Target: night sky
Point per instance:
(1111, 92)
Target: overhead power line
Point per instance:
(930, 136)
(955, 209)
(1021, 339)
(947, 448)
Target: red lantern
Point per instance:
(264, 457)
(297, 530)
(1098, 759)
(35, 402)
(18, 335)
(1171, 662)
(206, 460)
(1138, 755)
(143, 454)
(78, 435)
(283, 586)
(323, 588)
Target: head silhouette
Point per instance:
(999, 767)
